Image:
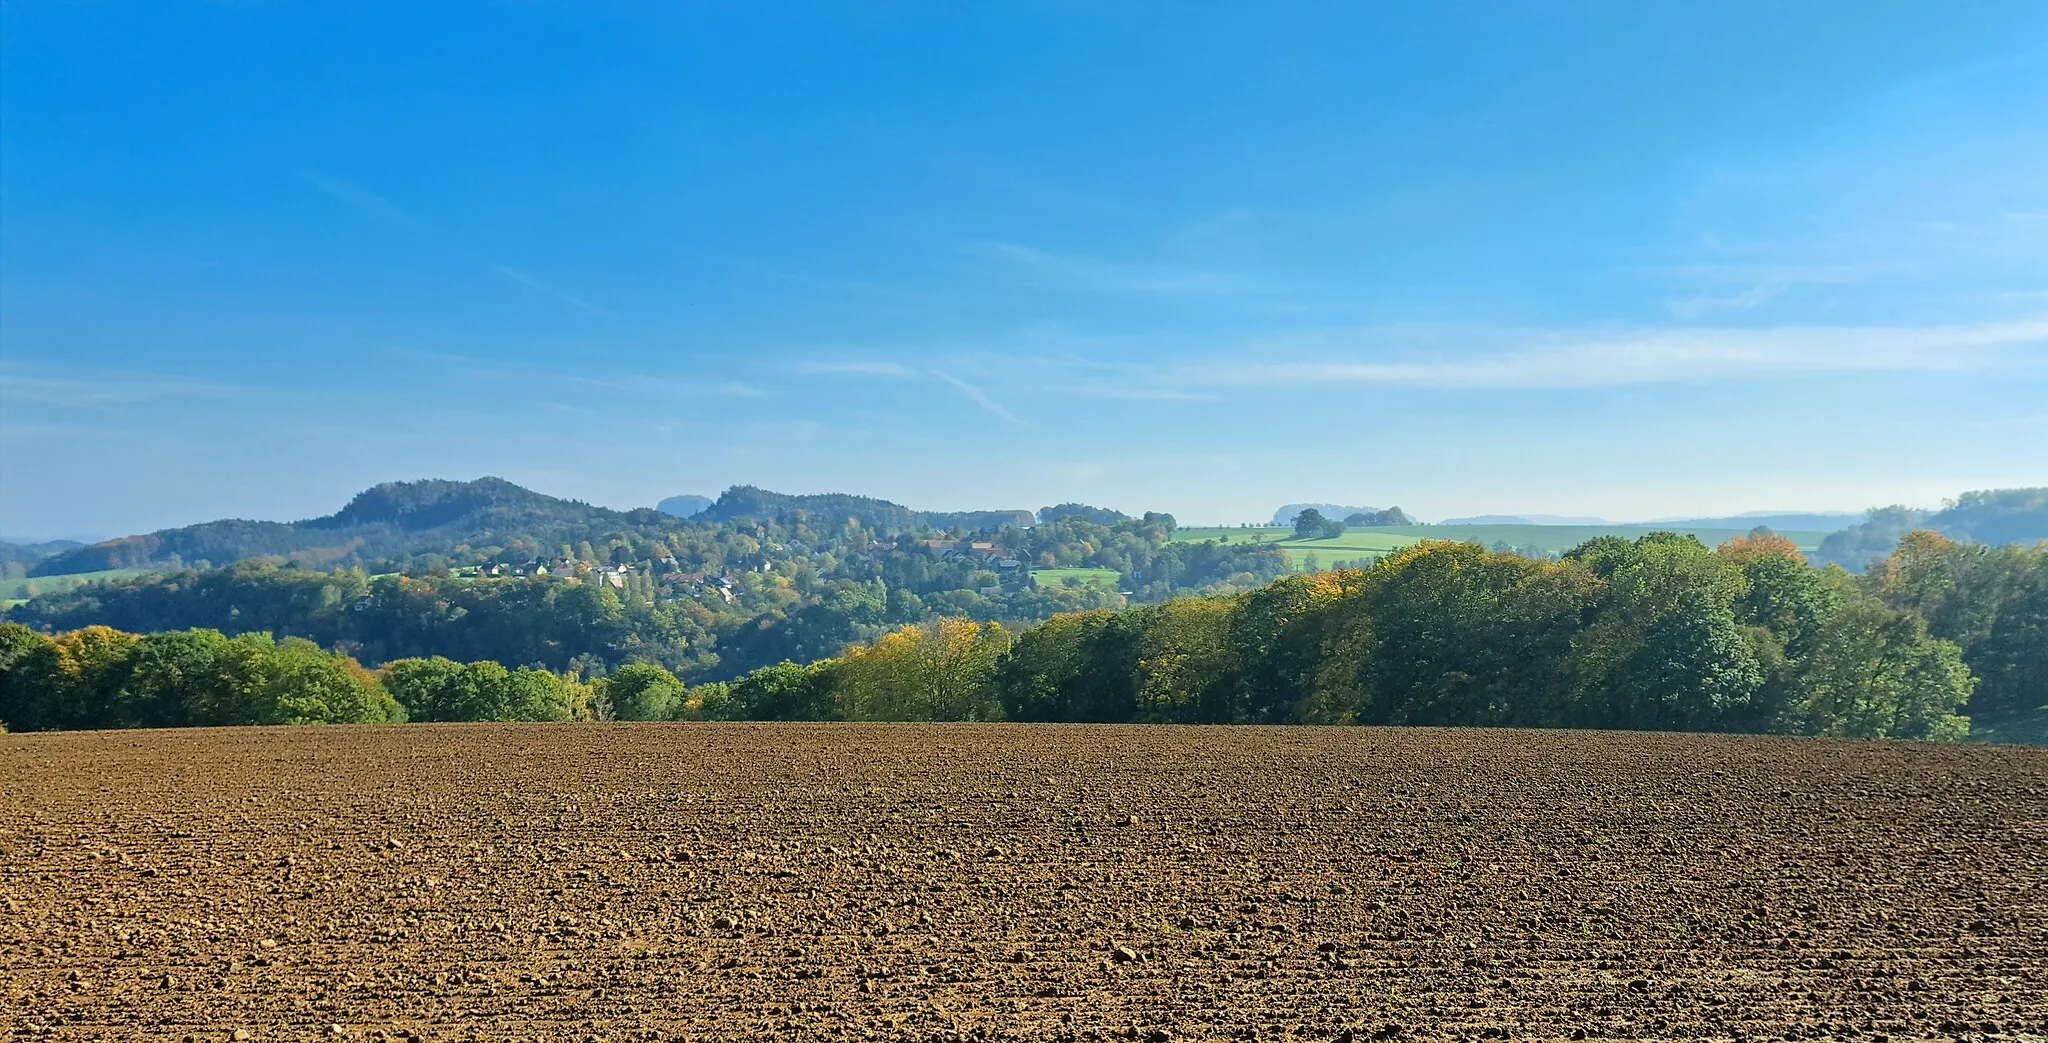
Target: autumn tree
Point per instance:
(938, 671)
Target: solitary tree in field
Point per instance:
(1311, 525)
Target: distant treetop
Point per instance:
(1284, 517)
(747, 501)
(1098, 515)
(1390, 516)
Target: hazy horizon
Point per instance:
(1262, 512)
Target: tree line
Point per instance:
(1662, 633)
(98, 677)
(1659, 633)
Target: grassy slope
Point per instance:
(1058, 577)
(17, 589)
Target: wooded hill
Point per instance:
(390, 522)
(1993, 517)
(489, 571)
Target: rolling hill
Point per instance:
(1992, 516)
(425, 517)
(394, 518)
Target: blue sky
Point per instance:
(1633, 260)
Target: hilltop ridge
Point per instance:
(398, 518)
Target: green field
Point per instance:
(1528, 539)
(19, 589)
(1106, 578)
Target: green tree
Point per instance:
(1183, 661)
(440, 689)
(1694, 671)
(1286, 642)
(533, 694)
(786, 692)
(1048, 674)
(1311, 525)
(305, 685)
(643, 692)
(1875, 674)
(28, 667)
(175, 672)
(1461, 635)
(1991, 601)
(709, 702)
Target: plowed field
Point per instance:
(933, 882)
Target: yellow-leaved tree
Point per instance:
(938, 671)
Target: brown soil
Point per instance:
(932, 882)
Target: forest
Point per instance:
(755, 579)
(1659, 633)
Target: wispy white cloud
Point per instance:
(895, 370)
(531, 283)
(674, 386)
(384, 209)
(1077, 376)
(1740, 273)
(1093, 389)
(103, 390)
(1557, 360)
(976, 395)
(1095, 275)
(1755, 296)
(359, 197)
(1449, 357)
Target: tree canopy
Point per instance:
(1657, 633)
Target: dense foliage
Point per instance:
(1992, 601)
(386, 523)
(1390, 516)
(1311, 525)
(1659, 633)
(709, 599)
(103, 678)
